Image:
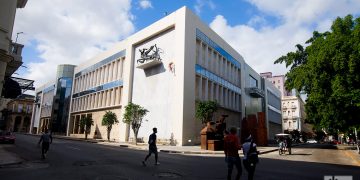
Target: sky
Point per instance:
(73, 31)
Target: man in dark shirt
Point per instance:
(231, 150)
(152, 147)
(46, 140)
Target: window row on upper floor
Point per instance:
(106, 73)
(215, 62)
(102, 99)
(206, 89)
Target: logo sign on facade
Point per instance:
(153, 53)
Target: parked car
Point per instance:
(312, 141)
(7, 137)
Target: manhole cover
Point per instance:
(84, 163)
(168, 175)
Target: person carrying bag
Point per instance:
(250, 157)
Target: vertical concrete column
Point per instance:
(212, 90)
(106, 73)
(80, 83)
(75, 84)
(74, 105)
(87, 81)
(107, 79)
(96, 79)
(113, 97)
(116, 70)
(91, 101)
(99, 99)
(200, 87)
(117, 96)
(226, 97)
(106, 98)
(112, 71)
(200, 54)
(100, 76)
(103, 95)
(121, 68)
(118, 75)
(90, 80)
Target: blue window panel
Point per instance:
(215, 46)
(99, 64)
(106, 86)
(202, 71)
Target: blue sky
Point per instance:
(72, 31)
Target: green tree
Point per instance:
(134, 115)
(86, 122)
(327, 70)
(205, 110)
(108, 120)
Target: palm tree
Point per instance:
(87, 122)
(109, 119)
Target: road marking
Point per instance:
(73, 148)
(356, 161)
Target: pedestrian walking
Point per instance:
(46, 140)
(289, 144)
(250, 157)
(152, 147)
(231, 150)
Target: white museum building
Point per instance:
(166, 68)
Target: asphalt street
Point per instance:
(83, 160)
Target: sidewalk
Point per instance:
(162, 148)
(8, 158)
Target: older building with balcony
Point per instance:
(293, 113)
(10, 52)
(18, 113)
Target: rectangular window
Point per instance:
(20, 108)
(253, 81)
(28, 109)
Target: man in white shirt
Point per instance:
(249, 164)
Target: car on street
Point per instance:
(311, 141)
(7, 137)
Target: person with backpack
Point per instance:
(250, 157)
(231, 150)
(152, 147)
(46, 140)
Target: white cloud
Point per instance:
(145, 4)
(200, 4)
(262, 45)
(70, 32)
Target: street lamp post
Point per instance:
(17, 35)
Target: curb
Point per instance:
(67, 138)
(10, 164)
(144, 149)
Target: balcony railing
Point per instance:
(256, 92)
(15, 51)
